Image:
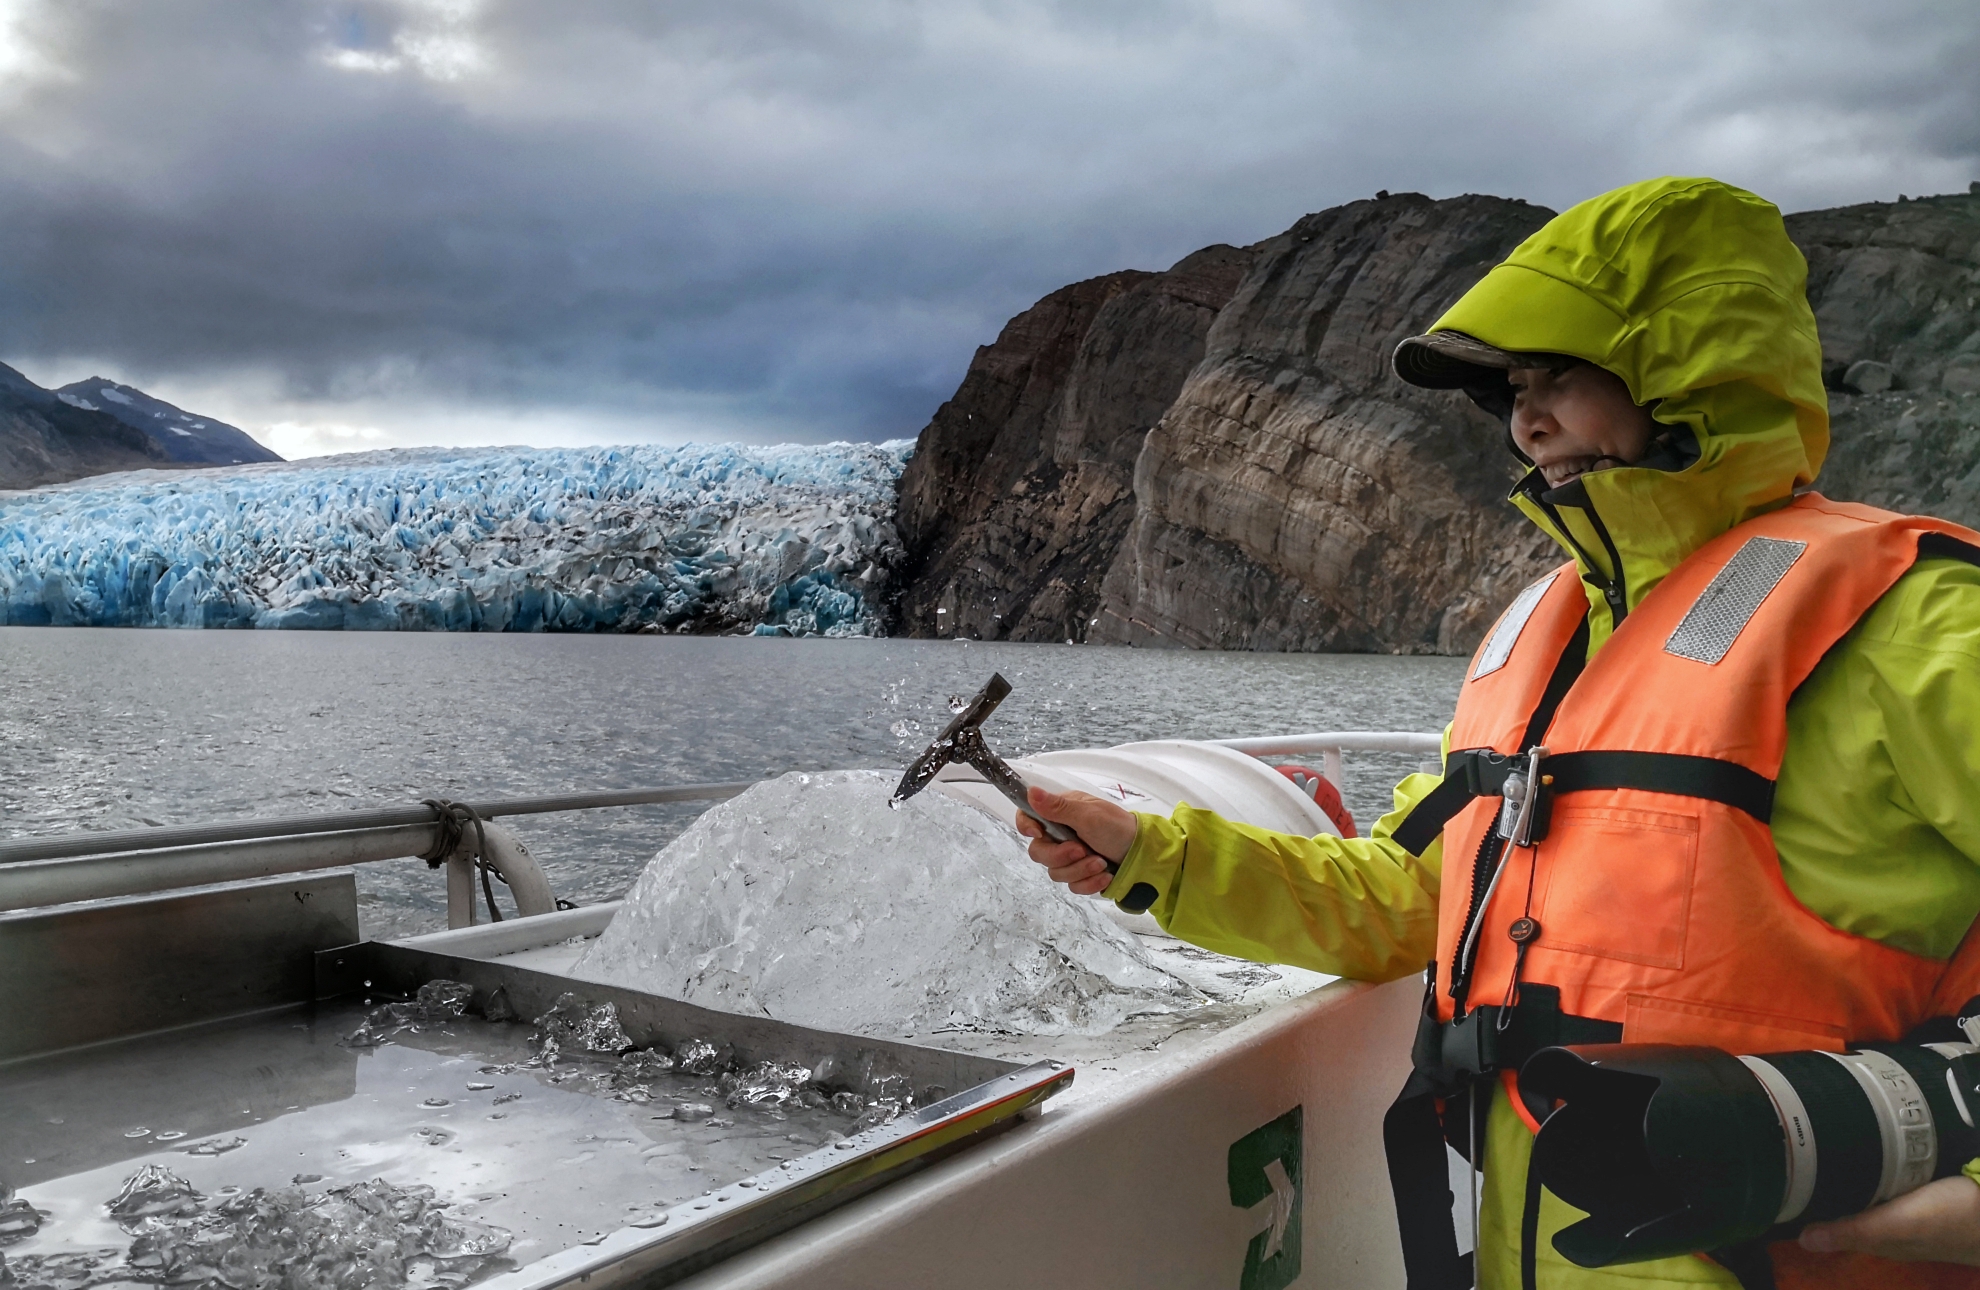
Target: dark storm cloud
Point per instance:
(797, 220)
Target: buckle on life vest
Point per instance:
(1484, 771)
(1527, 800)
(1477, 1044)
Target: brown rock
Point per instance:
(1020, 489)
(1298, 496)
(1294, 495)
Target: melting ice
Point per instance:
(370, 1234)
(808, 900)
(784, 540)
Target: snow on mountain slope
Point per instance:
(180, 435)
(785, 540)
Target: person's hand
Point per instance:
(1105, 833)
(1938, 1223)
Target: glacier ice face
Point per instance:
(810, 900)
(787, 540)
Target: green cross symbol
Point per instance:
(1265, 1165)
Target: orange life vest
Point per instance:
(1654, 901)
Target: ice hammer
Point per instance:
(962, 740)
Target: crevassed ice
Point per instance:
(809, 900)
(792, 539)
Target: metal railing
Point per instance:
(36, 872)
(41, 871)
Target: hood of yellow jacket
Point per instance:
(1690, 291)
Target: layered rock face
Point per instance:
(1297, 496)
(1021, 488)
(1292, 494)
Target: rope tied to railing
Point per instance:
(455, 817)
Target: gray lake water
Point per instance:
(104, 729)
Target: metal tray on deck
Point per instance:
(91, 992)
(695, 1234)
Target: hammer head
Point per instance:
(939, 753)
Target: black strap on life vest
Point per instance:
(1472, 773)
(1436, 1104)
(1944, 546)
(1467, 776)
(1450, 1082)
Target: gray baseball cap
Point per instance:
(1451, 360)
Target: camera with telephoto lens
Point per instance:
(1676, 1150)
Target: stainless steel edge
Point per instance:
(114, 969)
(35, 884)
(698, 1233)
(88, 843)
(383, 968)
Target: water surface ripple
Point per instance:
(107, 729)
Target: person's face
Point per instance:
(1577, 421)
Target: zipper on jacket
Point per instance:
(1615, 590)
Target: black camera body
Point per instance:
(1675, 1150)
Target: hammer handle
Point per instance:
(1053, 829)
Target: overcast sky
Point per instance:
(346, 225)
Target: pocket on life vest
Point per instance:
(1648, 1020)
(1617, 884)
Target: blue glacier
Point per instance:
(785, 540)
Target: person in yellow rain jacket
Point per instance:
(1657, 362)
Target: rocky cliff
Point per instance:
(1896, 291)
(1288, 493)
(1021, 488)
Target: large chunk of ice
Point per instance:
(809, 900)
(786, 540)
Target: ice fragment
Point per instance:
(153, 1189)
(575, 1025)
(807, 900)
(765, 1084)
(437, 1003)
(18, 1220)
(643, 1065)
(697, 1057)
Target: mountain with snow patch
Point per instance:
(182, 436)
(96, 426)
